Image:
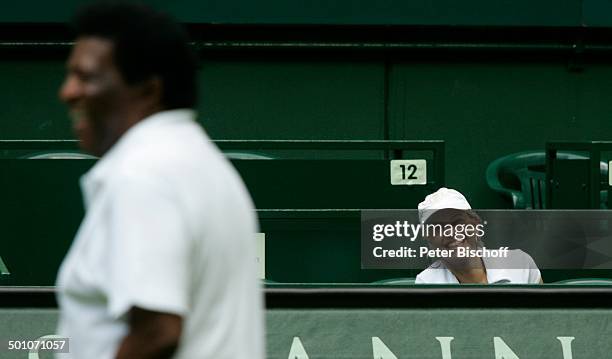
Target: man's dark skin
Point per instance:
(103, 107)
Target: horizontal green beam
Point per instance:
(345, 45)
(39, 145)
(342, 12)
(255, 144)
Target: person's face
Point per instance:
(448, 242)
(96, 94)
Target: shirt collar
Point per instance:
(92, 180)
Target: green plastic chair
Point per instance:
(521, 177)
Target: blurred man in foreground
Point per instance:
(163, 263)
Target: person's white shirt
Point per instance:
(169, 227)
(519, 268)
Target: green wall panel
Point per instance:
(386, 12)
(487, 110)
(293, 99)
(482, 109)
(29, 107)
(239, 100)
(594, 103)
(597, 13)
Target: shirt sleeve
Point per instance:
(534, 274)
(149, 248)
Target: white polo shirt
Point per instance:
(524, 271)
(169, 227)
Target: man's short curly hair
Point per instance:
(146, 44)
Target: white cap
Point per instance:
(442, 199)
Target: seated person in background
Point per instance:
(447, 206)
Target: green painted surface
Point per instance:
(42, 208)
(29, 105)
(339, 184)
(40, 213)
(482, 109)
(407, 333)
(597, 13)
(412, 333)
(318, 250)
(292, 99)
(485, 110)
(418, 12)
(239, 100)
